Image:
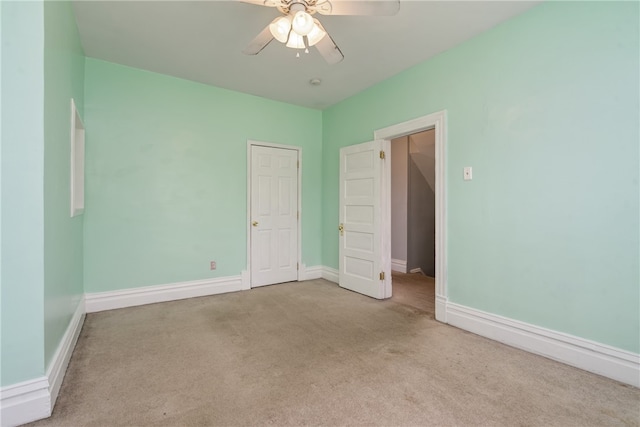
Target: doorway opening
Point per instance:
(436, 123)
(413, 225)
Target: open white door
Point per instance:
(274, 215)
(361, 264)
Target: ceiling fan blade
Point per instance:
(357, 7)
(329, 51)
(260, 42)
(268, 3)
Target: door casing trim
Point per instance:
(437, 121)
(251, 143)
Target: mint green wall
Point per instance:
(22, 334)
(1, 117)
(166, 188)
(63, 80)
(545, 108)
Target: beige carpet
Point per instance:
(313, 354)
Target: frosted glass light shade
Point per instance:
(280, 28)
(295, 41)
(302, 23)
(316, 34)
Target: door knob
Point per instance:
(341, 228)
(254, 223)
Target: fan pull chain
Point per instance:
(305, 42)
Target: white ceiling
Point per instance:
(202, 41)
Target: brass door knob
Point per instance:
(254, 223)
(341, 228)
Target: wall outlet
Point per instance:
(213, 265)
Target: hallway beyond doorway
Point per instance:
(415, 290)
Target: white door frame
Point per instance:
(251, 143)
(437, 121)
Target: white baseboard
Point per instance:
(611, 362)
(245, 279)
(25, 402)
(441, 308)
(60, 360)
(399, 265)
(100, 301)
(312, 273)
(34, 399)
(330, 274)
(417, 270)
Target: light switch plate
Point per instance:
(468, 173)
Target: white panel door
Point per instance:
(360, 219)
(274, 215)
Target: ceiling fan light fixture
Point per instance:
(280, 28)
(316, 34)
(295, 41)
(302, 23)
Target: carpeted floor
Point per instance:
(311, 353)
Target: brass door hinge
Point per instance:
(382, 275)
(382, 154)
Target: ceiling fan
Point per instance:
(298, 29)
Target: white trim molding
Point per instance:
(245, 278)
(60, 360)
(601, 359)
(25, 402)
(100, 301)
(311, 273)
(302, 272)
(438, 122)
(33, 400)
(330, 274)
(441, 307)
(399, 265)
